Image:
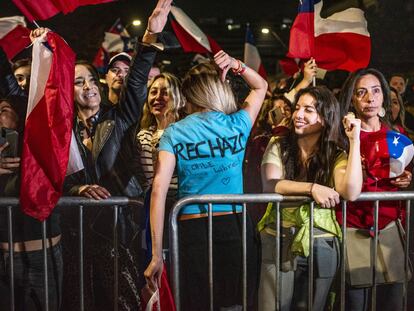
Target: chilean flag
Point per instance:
(387, 152)
(251, 54)
(48, 128)
(334, 32)
(45, 9)
(14, 36)
(190, 36)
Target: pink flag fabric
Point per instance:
(45, 9)
(48, 129)
(14, 36)
(251, 54)
(337, 39)
(190, 36)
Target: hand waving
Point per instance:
(158, 18)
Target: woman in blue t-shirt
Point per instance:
(207, 150)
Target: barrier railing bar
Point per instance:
(175, 267)
(45, 269)
(406, 253)
(11, 255)
(116, 268)
(244, 245)
(310, 258)
(343, 257)
(374, 259)
(210, 255)
(81, 276)
(277, 258)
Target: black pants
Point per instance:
(227, 263)
(28, 280)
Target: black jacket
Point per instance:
(113, 140)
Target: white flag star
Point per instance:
(395, 141)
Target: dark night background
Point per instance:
(390, 23)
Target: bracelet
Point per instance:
(311, 188)
(241, 68)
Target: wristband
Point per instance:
(240, 69)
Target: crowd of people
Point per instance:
(165, 137)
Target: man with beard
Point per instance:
(118, 69)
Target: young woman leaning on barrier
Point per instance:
(207, 149)
(367, 94)
(310, 160)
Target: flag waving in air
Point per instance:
(251, 54)
(48, 128)
(190, 36)
(44, 9)
(333, 32)
(14, 36)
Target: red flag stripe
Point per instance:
(48, 127)
(15, 41)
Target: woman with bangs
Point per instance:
(311, 161)
(206, 149)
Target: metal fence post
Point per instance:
(11, 255)
(45, 266)
(310, 260)
(374, 259)
(116, 268)
(210, 255)
(244, 245)
(406, 252)
(343, 257)
(277, 258)
(81, 276)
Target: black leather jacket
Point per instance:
(113, 141)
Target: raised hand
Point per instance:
(225, 63)
(402, 181)
(158, 18)
(352, 126)
(38, 32)
(309, 70)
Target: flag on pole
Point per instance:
(190, 36)
(14, 36)
(116, 40)
(48, 128)
(251, 54)
(333, 32)
(45, 9)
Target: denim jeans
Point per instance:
(28, 280)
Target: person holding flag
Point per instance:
(385, 155)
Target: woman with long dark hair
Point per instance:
(310, 160)
(367, 94)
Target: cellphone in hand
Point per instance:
(12, 137)
(277, 115)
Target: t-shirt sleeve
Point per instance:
(341, 160)
(166, 143)
(244, 119)
(272, 153)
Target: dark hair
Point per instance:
(348, 93)
(320, 164)
(21, 63)
(395, 74)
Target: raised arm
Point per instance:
(135, 92)
(164, 171)
(258, 85)
(348, 180)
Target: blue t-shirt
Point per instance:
(209, 149)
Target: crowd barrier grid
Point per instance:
(244, 199)
(68, 202)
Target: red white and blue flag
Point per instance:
(190, 36)
(251, 54)
(334, 32)
(388, 153)
(14, 36)
(48, 128)
(44, 9)
(117, 40)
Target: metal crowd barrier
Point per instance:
(81, 203)
(244, 199)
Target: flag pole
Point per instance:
(36, 24)
(313, 81)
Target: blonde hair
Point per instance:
(176, 102)
(203, 87)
